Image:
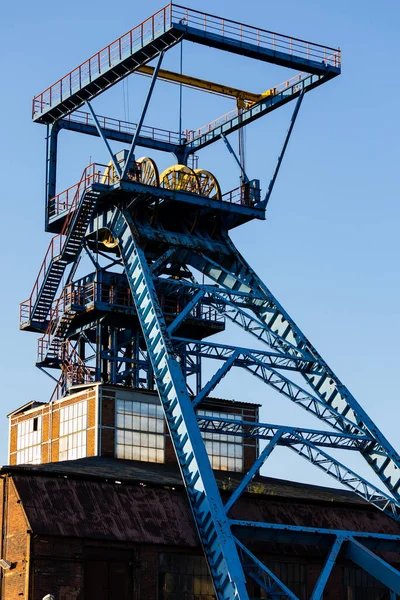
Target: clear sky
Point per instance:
(329, 248)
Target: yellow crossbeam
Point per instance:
(208, 86)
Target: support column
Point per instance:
(51, 166)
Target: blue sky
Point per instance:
(329, 247)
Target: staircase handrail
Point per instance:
(91, 174)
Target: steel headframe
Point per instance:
(240, 295)
(233, 290)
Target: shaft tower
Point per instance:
(166, 277)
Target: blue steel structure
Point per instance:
(142, 318)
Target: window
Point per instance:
(73, 424)
(359, 585)
(293, 575)
(225, 451)
(105, 580)
(140, 431)
(29, 439)
(184, 577)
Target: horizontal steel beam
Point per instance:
(252, 49)
(247, 355)
(315, 536)
(192, 198)
(118, 135)
(290, 435)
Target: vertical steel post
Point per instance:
(51, 166)
(131, 153)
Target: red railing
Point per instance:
(75, 295)
(66, 200)
(244, 195)
(76, 372)
(253, 35)
(82, 296)
(104, 60)
(160, 22)
(56, 312)
(53, 250)
(74, 368)
(155, 133)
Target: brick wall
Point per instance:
(50, 414)
(101, 424)
(15, 544)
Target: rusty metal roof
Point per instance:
(136, 502)
(100, 510)
(136, 472)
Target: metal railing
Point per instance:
(74, 371)
(244, 195)
(285, 86)
(172, 306)
(159, 23)
(65, 200)
(53, 251)
(253, 35)
(77, 296)
(68, 200)
(102, 61)
(154, 133)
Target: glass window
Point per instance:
(140, 431)
(73, 425)
(225, 451)
(359, 585)
(184, 577)
(293, 575)
(29, 440)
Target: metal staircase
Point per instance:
(107, 67)
(63, 250)
(51, 343)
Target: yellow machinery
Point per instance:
(176, 177)
(243, 98)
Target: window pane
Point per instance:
(136, 433)
(225, 451)
(73, 421)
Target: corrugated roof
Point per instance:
(100, 510)
(129, 471)
(83, 499)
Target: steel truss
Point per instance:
(288, 351)
(161, 261)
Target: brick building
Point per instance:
(93, 506)
(104, 528)
(104, 420)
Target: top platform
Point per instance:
(162, 31)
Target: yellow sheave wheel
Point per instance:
(208, 184)
(107, 238)
(180, 177)
(148, 171)
(110, 176)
